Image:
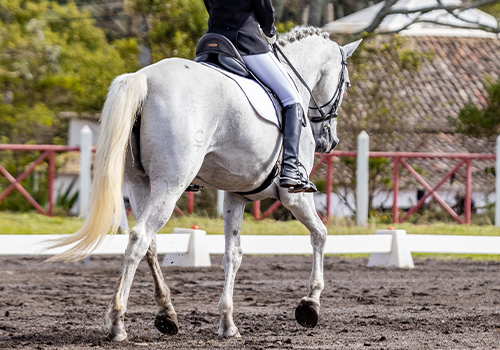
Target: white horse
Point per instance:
(178, 122)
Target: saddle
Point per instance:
(219, 50)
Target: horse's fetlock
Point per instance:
(225, 307)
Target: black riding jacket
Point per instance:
(238, 21)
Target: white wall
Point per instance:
(75, 125)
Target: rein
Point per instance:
(333, 113)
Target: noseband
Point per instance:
(325, 118)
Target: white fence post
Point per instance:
(497, 185)
(197, 254)
(362, 179)
(85, 164)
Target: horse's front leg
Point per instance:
(302, 206)
(233, 218)
(166, 318)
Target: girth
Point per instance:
(267, 182)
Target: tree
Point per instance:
(418, 15)
(481, 122)
(52, 58)
(169, 27)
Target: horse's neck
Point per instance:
(307, 56)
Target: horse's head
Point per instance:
(329, 92)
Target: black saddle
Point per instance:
(217, 49)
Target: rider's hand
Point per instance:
(270, 40)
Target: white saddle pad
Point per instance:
(255, 94)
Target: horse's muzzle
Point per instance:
(326, 145)
(334, 143)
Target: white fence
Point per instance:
(187, 247)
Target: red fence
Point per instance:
(49, 151)
(398, 158)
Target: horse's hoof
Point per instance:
(117, 337)
(307, 313)
(167, 324)
(229, 333)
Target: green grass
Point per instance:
(33, 223)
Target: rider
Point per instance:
(238, 20)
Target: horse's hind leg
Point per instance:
(302, 206)
(157, 210)
(166, 318)
(233, 218)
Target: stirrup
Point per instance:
(307, 187)
(289, 182)
(298, 184)
(194, 188)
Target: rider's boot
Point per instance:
(290, 176)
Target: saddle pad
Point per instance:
(256, 95)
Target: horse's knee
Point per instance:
(233, 256)
(318, 237)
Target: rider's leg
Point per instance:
(268, 69)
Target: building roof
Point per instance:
(453, 78)
(461, 21)
(442, 87)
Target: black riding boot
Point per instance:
(290, 176)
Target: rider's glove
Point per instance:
(270, 40)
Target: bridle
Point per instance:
(325, 118)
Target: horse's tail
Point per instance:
(123, 103)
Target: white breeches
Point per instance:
(269, 70)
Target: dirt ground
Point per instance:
(438, 305)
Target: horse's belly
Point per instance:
(238, 171)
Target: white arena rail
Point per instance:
(189, 247)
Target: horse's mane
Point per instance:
(300, 32)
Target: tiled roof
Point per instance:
(443, 86)
(454, 77)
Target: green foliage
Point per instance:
(493, 9)
(283, 27)
(65, 199)
(52, 58)
(476, 122)
(36, 183)
(171, 27)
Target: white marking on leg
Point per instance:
(233, 217)
(302, 206)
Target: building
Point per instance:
(463, 58)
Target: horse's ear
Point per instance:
(350, 48)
